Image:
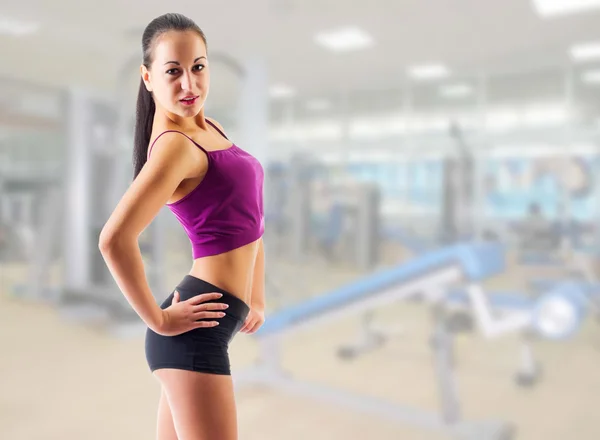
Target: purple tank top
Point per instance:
(225, 211)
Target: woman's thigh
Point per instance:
(165, 430)
(202, 405)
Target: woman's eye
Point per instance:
(197, 67)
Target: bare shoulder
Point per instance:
(176, 152)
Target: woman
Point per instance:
(214, 188)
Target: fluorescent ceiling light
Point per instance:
(535, 115)
(547, 114)
(591, 76)
(281, 91)
(428, 71)
(17, 28)
(344, 39)
(456, 90)
(552, 8)
(318, 104)
(586, 51)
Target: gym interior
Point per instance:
(432, 227)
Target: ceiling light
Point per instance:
(456, 90)
(344, 39)
(17, 28)
(553, 8)
(591, 76)
(586, 51)
(281, 91)
(428, 72)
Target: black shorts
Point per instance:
(202, 349)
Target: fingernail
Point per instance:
(225, 306)
(221, 314)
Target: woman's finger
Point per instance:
(255, 327)
(209, 306)
(245, 326)
(203, 297)
(204, 324)
(206, 315)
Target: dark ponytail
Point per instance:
(146, 107)
(144, 115)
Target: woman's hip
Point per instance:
(229, 325)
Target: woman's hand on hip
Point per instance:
(183, 316)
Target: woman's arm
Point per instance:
(256, 316)
(171, 161)
(257, 299)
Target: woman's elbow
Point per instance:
(108, 240)
(105, 241)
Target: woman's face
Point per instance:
(179, 77)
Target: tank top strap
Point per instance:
(176, 131)
(216, 128)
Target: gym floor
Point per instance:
(63, 380)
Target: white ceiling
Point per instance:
(87, 43)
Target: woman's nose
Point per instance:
(186, 81)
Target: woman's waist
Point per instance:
(232, 271)
(233, 283)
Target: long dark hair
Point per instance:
(146, 107)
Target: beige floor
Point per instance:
(61, 380)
